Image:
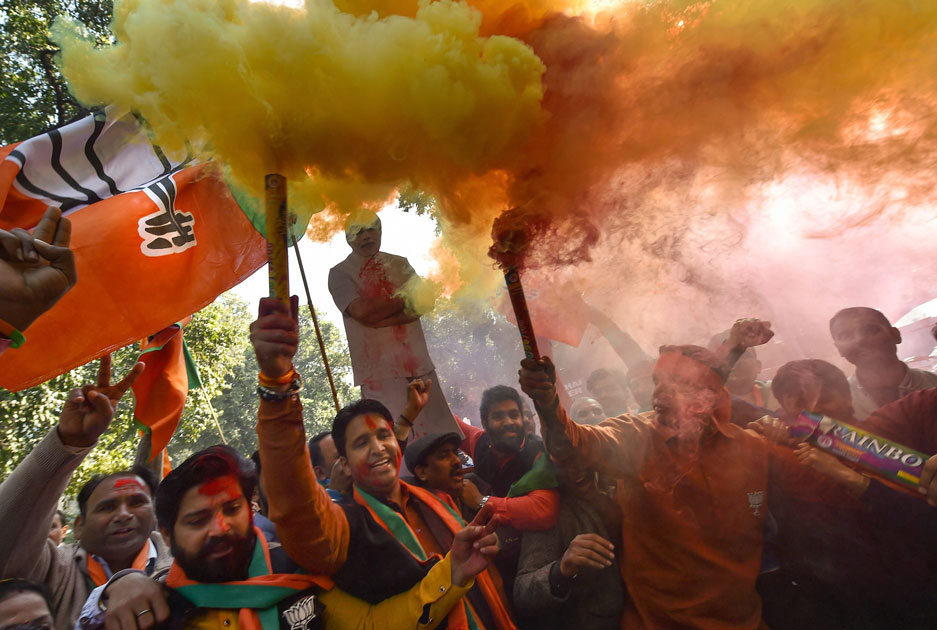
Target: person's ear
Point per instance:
(165, 534)
(896, 334)
(320, 473)
(420, 472)
(79, 523)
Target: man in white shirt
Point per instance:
(866, 338)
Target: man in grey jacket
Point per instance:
(115, 526)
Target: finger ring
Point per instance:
(143, 612)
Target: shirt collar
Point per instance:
(151, 556)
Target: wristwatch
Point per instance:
(482, 503)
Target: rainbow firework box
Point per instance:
(885, 458)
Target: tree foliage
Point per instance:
(33, 94)
(473, 348)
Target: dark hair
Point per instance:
(787, 380)
(601, 373)
(61, 516)
(496, 394)
(138, 470)
(13, 586)
(351, 411)
(315, 450)
(700, 355)
(859, 310)
(210, 463)
(255, 457)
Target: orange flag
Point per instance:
(557, 311)
(154, 239)
(161, 391)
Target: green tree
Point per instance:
(236, 404)
(218, 339)
(473, 348)
(33, 94)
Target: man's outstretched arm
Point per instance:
(312, 529)
(608, 448)
(29, 496)
(624, 345)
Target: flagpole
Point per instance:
(214, 416)
(277, 240)
(315, 322)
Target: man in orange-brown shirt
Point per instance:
(693, 490)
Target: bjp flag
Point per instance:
(155, 239)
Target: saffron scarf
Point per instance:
(99, 576)
(257, 596)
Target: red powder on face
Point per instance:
(227, 485)
(374, 422)
(127, 484)
(363, 471)
(221, 522)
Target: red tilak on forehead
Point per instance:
(126, 483)
(228, 485)
(374, 421)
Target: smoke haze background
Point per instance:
(734, 158)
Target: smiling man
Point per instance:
(226, 575)
(512, 462)
(115, 523)
(390, 534)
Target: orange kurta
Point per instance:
(692, 516)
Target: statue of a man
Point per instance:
(385, 337)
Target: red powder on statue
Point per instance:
(374, 280)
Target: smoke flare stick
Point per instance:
(519, 303)
(891, 462)
(277, 239)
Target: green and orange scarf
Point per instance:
(461, 617)
(257, 596)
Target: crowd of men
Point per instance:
(673, 497)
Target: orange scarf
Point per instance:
(99, 576)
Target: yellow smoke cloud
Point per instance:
(644, 121)
(358, 103)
